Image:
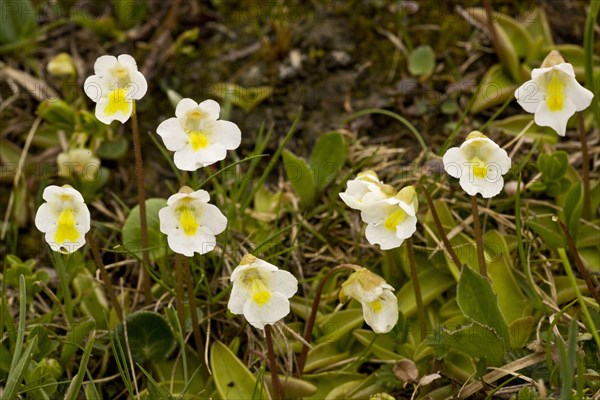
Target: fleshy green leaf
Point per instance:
(553, 166)
(548, 231)
(475, 340)
(506, 48)
(232, 379)
(327, 157)
(421, 61)
(18, 21)
(132, 237)
(301, 177)
(512, 302)
(149, 335)
(495, 88)
(323, 355)
(113, 149)
(477, 301)
(433, 283)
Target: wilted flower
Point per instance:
(78, 161)
(197, 136)
(365, 189)
(553, 93)
(379, 304)
(117, 83)
(392, 220)
(261, 291)
(190, 223)
(61, 65)
(479, 164)
(64, 218)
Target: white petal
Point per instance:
(259, 316)
(557, 120)
(492, 188)
(104, 64)
(357, 190)
(172, 134)
(127, 61)
(566, 68)
(228, 134)
(284, 282)
(454, 160)
(376, 211)
(580, 96)
(211, 108)
(185, 159)
(184, 106)
(497, 164)
(95, 88)
(407, 227)
(82, 219)
(52, 193)
(212, 218)
(174, 198)
(45, 218)
(379, 234)
(538, 73)
(137, 88)
(237, 299)
(118, 116)
(202, 242)
(487, 188)
(384, 320)
(168, 220)
(200, 195)
(529, 95)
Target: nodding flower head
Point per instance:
(197, 135)
(553, 94)
(479, 164)
(114, 87)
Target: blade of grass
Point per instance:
(121, 360)
(16, 374)
(73, 390)
(22, 319)
(63, 282)
(586, 314)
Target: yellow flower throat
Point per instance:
(198, 139)
(260, 293)
(555, 93)
(65, 229)
(394, 219)
(479, 168)
(117, 101)
(187, 221)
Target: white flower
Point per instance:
(479, 164)
(365, 189)
(190, 223)
(392, 220)
(117, 83)
(197, 136)
(261, 291)
(379, 304)
(553, 93)
(78, 161)
(64, 218)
